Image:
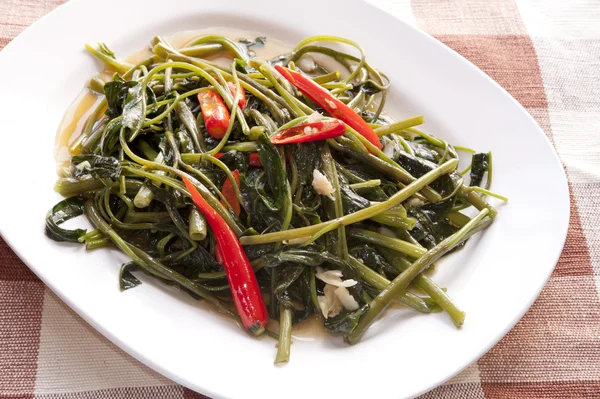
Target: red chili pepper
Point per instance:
(219, 155)
(255, 160)
(307, 132)
(229, 193)
(241, 277)
(329, 103)
(242, 100)
(215, 113)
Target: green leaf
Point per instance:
(346, 321)
(370, 257)
(133, 107)
(431, 227)
(235, 160)
(351, 201)
(479, 165)
(60, 213)
(262, 214)
(274, 170)
(97, 166)
(306, 161)
(240, 65)
(116, 92)
(126, 279)
(286, 276)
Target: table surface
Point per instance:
(547, 55)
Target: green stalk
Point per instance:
(396, 244)
(358, 216)
(426, 284)
(474, 199)
(366, 184)
(70, 186)
(381, 283)
(400, 125)
(197, 225)
(120, 67)
(146, 262)
(395, 221)
(285, 335)
(328, 77)
(341, 246)
(400, 283)
(389, 169)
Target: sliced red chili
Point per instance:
(307, 132)
(242, 100)
(242, 280)
(255, 160)
(229, 193)
(330, 104)
(214, 112)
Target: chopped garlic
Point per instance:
(85, 165)
(331, 104)
(389, 148)
(414, 201)
(329, 302)
(336, 294)
(321, 185)
(333, 277)
(345, 298)
(307, 130)
(307, 64)
(314, 117)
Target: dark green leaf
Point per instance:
(413, 165)
(431, 227)
(274, 170)
(286, 276)
(235, 160)
(133, 107)
(370, 257)
(307, 161)
(60, 213)
(126, 279)
(346, 321)
(425, 151)
(97, 166)
(479, 165)
(261, 213)
(351, 201)
(116, 93)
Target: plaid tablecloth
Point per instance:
(547, 55)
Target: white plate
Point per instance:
(495, 279)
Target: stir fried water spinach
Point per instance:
(273, 189)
